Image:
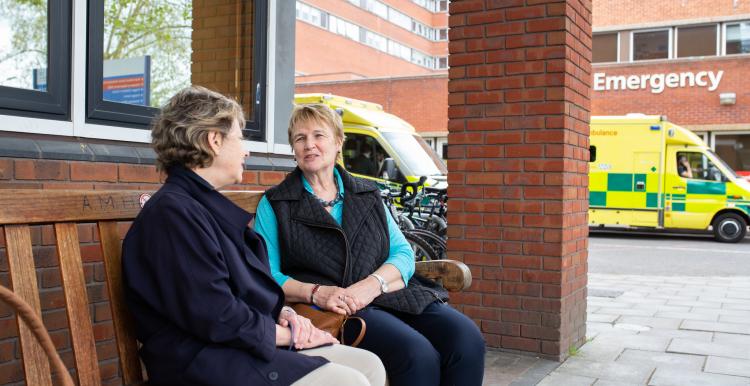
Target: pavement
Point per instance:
(648, 330)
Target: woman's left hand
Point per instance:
(364, 291)
(301, 327)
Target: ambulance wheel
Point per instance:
(729, 228)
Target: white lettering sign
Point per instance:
(658, 82)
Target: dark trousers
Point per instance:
(441, 346)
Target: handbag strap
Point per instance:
(362, 331)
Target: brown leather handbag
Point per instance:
(330, 322)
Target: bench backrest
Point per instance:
(65, 209)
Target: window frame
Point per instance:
(108, 113)
(617, 33)
(677, 39)
(670, 42)
(724, 37)
(54, 103)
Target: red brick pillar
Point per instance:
(517, 159)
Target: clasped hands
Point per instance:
(304, 334)
(346, 301)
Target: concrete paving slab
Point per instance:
(661, 359)
(605, 382)
(732, 328)
(564, 379)
(600, 349)
(640, 299)
(674, 297)
(601, 318)
(733, 319)
(744, 340)
(722, 300)
(694, 303)
(687, 346)
(685, 334)
(675, 377)
(664, 308)
(651, 322)
(721, 311)
(688, 316)
(612, 371)
(594, 329)
(640, 342)
(728, 366)
(627, 311)
(742, 307)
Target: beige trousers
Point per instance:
(348, 367)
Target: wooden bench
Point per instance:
(20, 210)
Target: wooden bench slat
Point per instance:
(29, 206)
(123, 323)
(23, 282)
(77, 304)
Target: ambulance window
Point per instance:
(698, 166)
(592, 153)
(363, 154)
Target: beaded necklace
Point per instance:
(333, 202)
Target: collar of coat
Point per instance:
(231, 218)
(358, 199)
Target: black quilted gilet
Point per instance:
(315, 249)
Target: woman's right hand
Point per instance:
(318, 338)
(336, 299)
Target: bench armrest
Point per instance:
(453, 275)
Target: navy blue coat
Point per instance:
(198, 284)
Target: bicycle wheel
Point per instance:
(422, 249)
(436, 242)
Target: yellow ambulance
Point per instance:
(646, 172)
(381, 146)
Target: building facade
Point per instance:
(683, 59)
(687, 60)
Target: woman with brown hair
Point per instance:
(197, 279)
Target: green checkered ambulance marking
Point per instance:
(652, 200)
(598, 198)
(706, 187)
(678, 207)
(620, 182)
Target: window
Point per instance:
(363, 155)
(399, 19)
(377, 8)
(374, 40)
(734, 149)
(442, 34)
(398, 49)
(605, 48)
(140, 55)
(696, 41)
(738, 38)
(697, 166)
(442, 63)
(343, 27)
(35, 58)
(312, 15)
(651, 45)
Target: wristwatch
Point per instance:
(383, 283)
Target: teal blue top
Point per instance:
(400, 254)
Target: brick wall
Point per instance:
(609, 13)
(684, 106)
(221, 43)
(517, 159)
(421, 101)
(22, 173)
